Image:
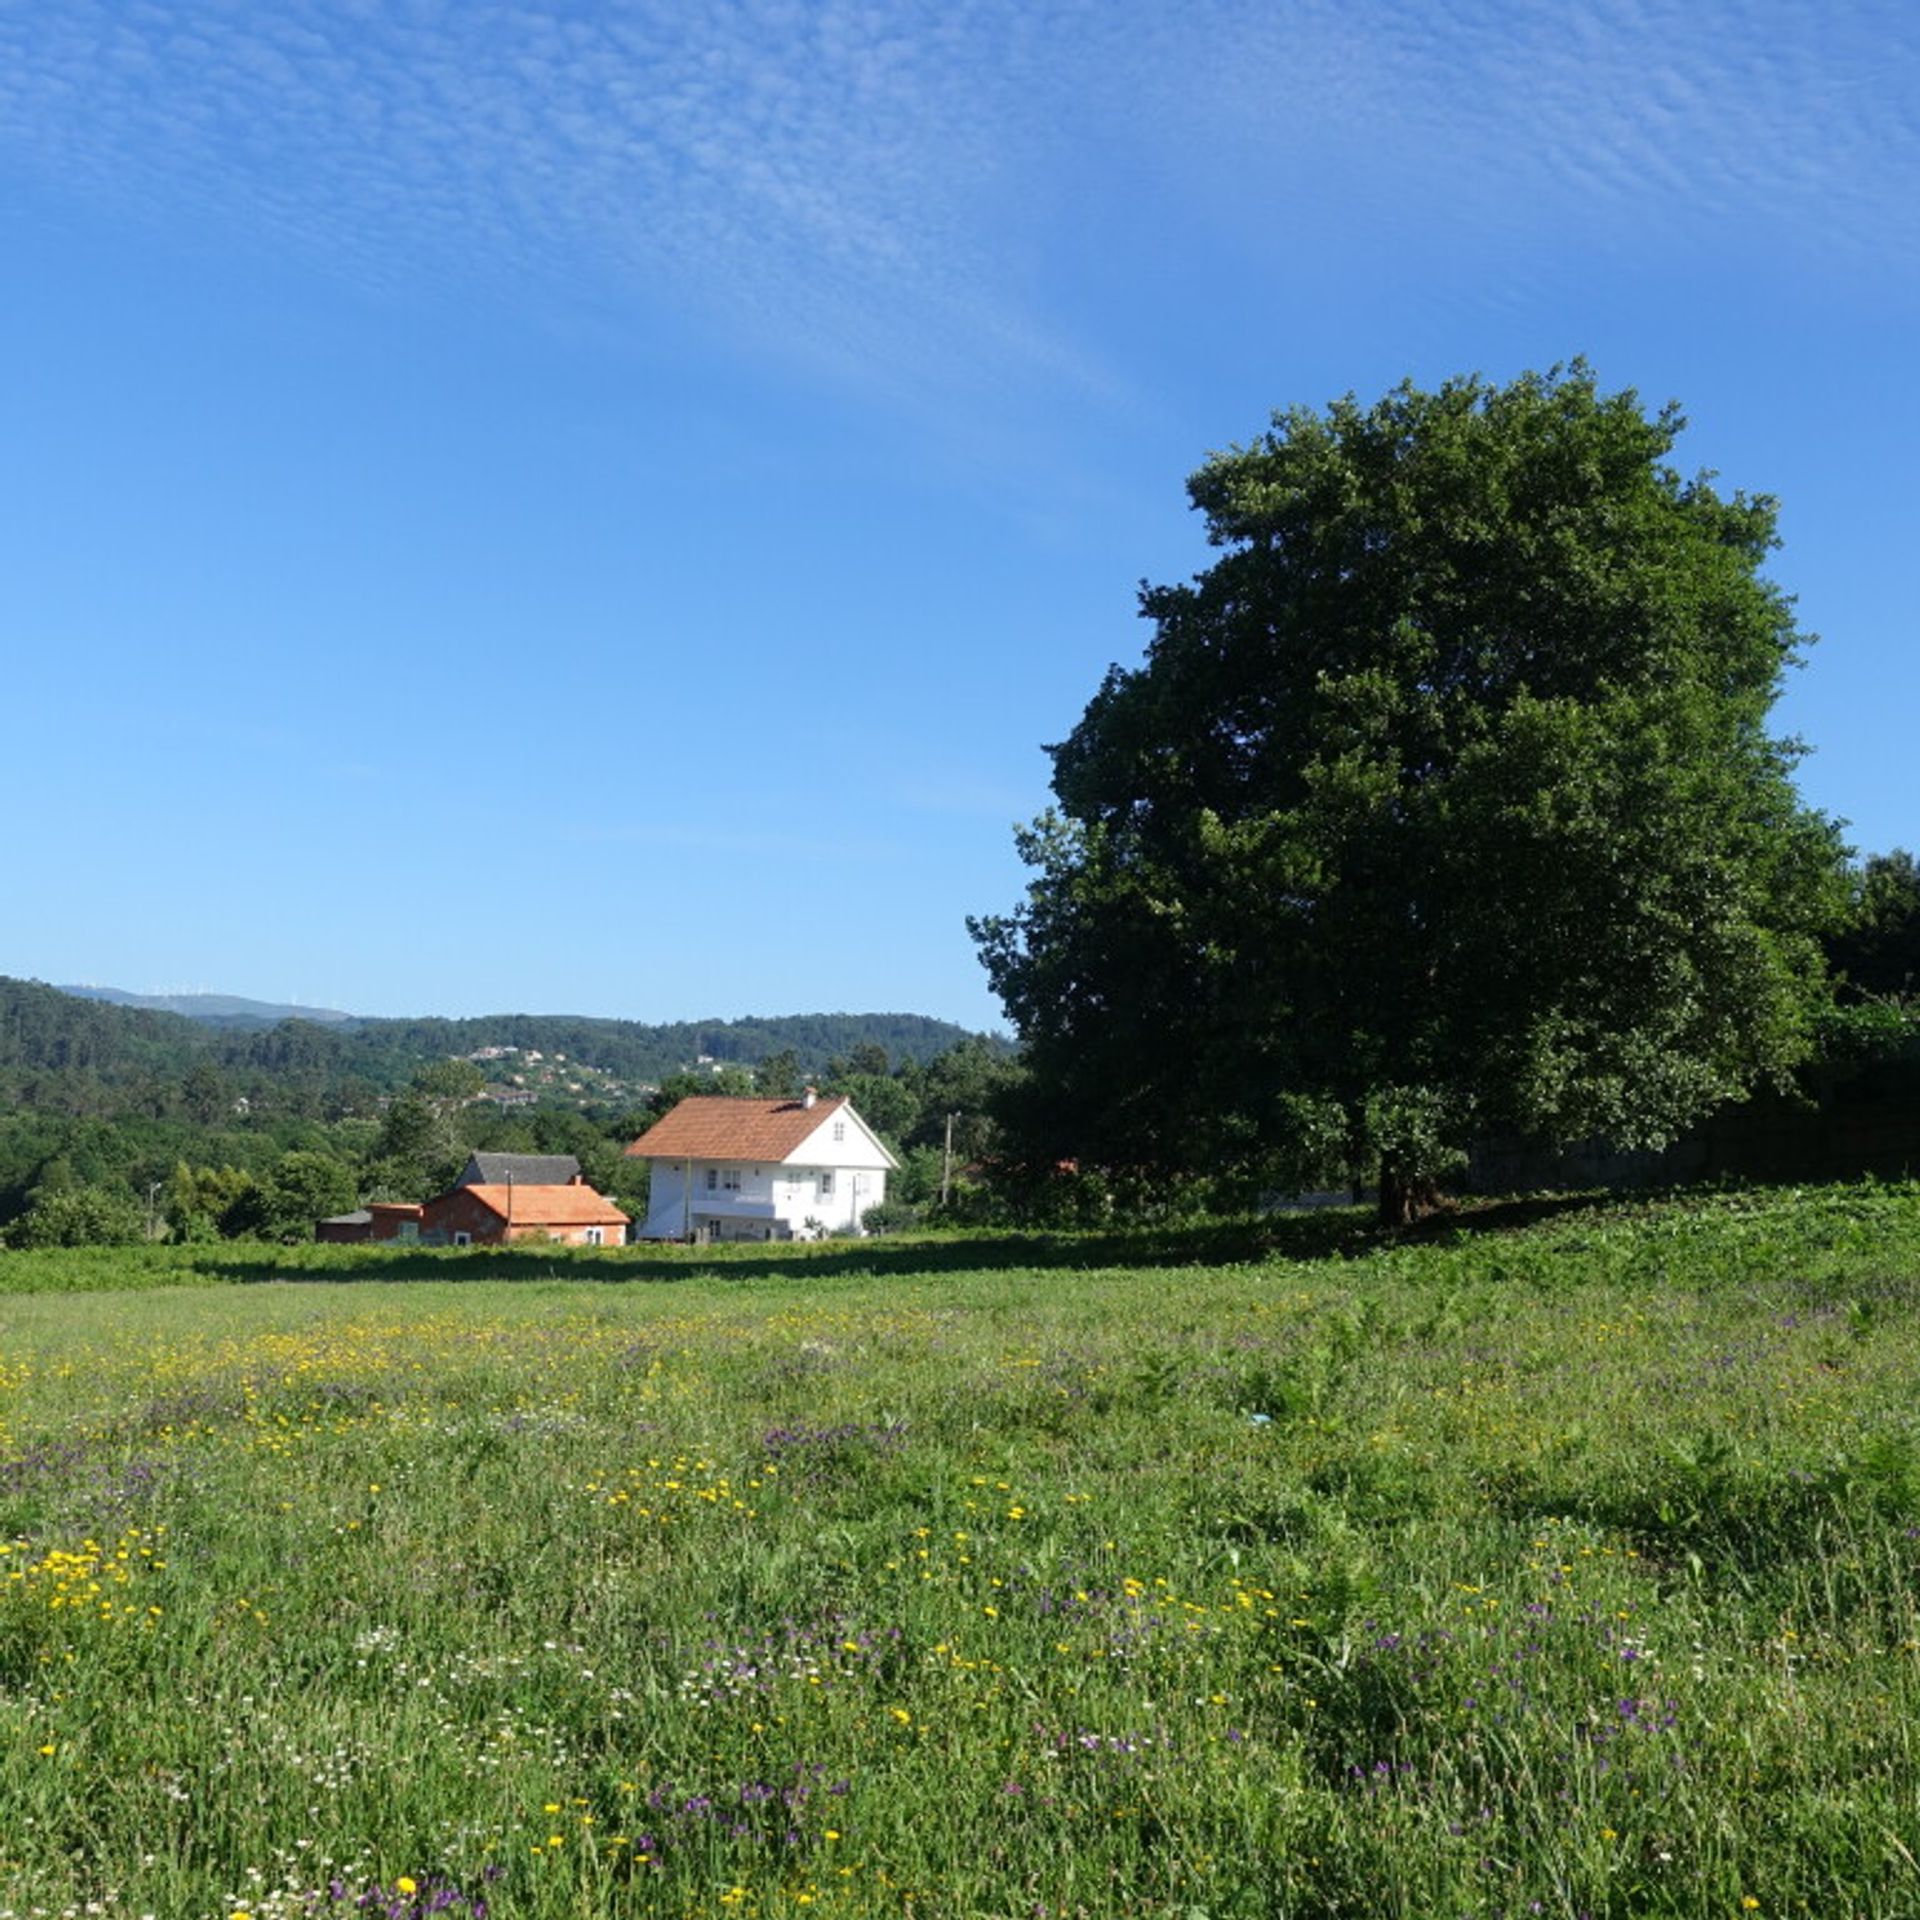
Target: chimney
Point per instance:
(808, 1098)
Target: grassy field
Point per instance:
(1569, 1567)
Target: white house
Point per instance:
(731, 1169)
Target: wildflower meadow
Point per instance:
(1567, 1568)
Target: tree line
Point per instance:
(63, 1053)
(208, 1167)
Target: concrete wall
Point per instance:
(770, 1202)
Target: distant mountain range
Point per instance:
(215, 1009)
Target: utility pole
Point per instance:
(946, 1164)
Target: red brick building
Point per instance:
(483, 1214)
(496, 1215)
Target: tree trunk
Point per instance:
(1407, 1197)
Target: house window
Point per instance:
(595, 1236)
(826, 1183)
(732, 1180)
(713, 1178)
(839, 1130)
(463, 1239)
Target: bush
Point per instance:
(78, 1217)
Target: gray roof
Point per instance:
(523, 1169)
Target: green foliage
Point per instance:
(75, 1216)
(778, 1075)
(199, 1199)
(1877, 951)
(973, 1083)
(299, 1189)
(891, 1105)
(868, 1058)
(449, 1083)
(419, 1147)
(205, 1095)
(61, 1052)
(918, 1181)
(1856, 1031)
(1443, 805)
(892, 1216)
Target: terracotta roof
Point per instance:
(568, 1206)
(718, 1126)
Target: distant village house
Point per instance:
(575, 1215)
(738, 1169)
(499, 1198)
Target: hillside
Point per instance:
(215, 1009)
(51, 1032)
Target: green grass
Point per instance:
(1566, 1562)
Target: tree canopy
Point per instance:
(1443, 804)
(1877, 952)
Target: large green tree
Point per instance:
(1443, 804)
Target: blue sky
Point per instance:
(597, 508)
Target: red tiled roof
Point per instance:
(569, 1206)
(718, 1126)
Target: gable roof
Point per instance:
(720, 1126)
(552, 1206)
(523, 1169)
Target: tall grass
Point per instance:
(1569, 1569)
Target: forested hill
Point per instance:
(632, 1051)
(216, 1009)
(43, 1030)
(61, 1050)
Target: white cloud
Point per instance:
(869, 188)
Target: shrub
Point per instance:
(78, 1217)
